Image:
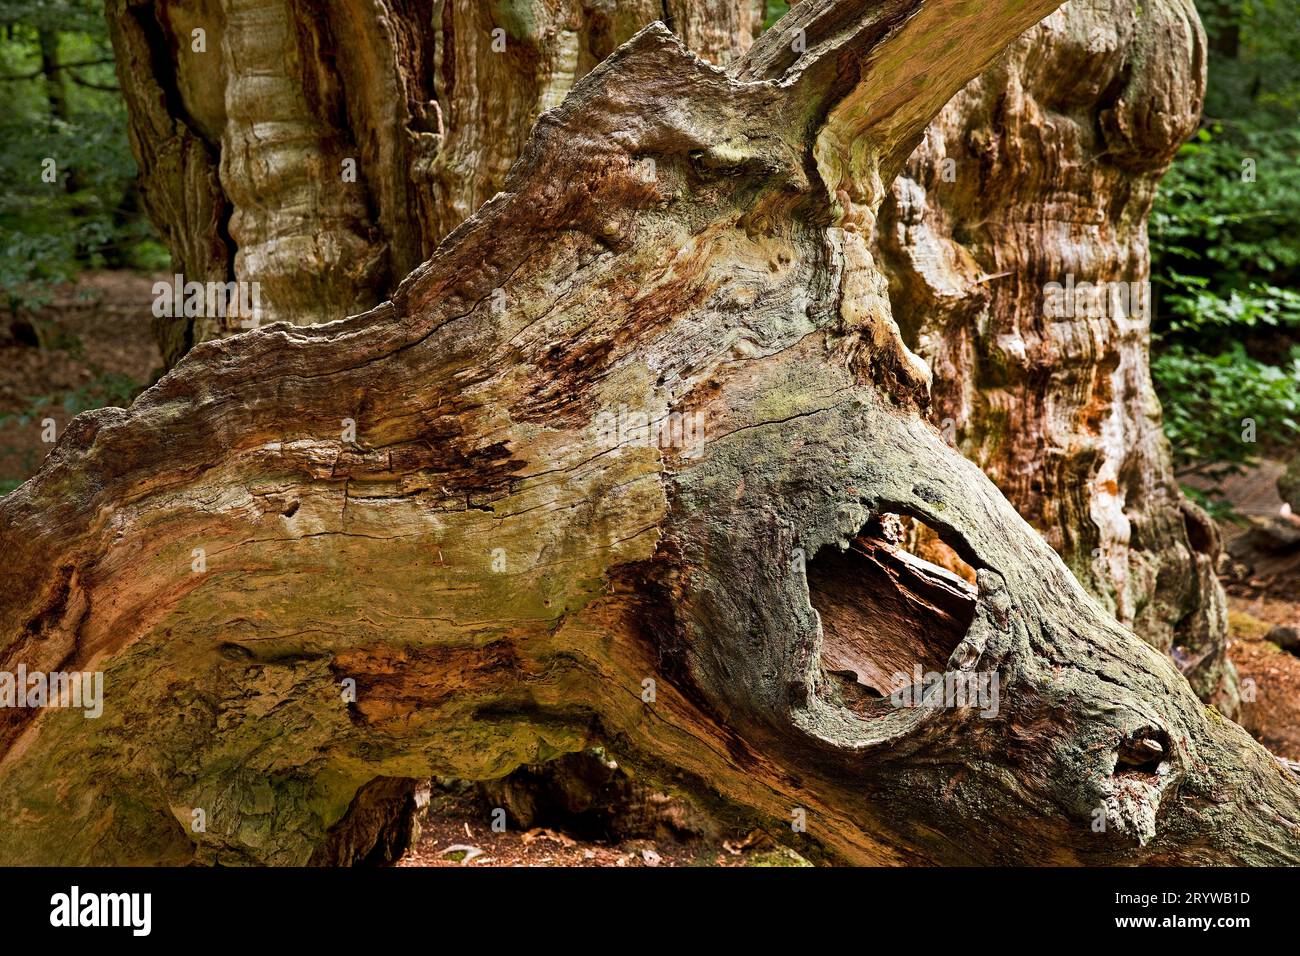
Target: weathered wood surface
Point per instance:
(1043, 166)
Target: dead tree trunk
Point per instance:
(488, 507)
(1041, 171)
(323, 150)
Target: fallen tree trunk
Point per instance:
(487, 507)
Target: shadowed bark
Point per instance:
(506, 567)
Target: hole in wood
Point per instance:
(1142, 754)
(886, 612)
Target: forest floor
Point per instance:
(455, 832)
(99, 350)
(1273, 717)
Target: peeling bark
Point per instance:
(500, 578)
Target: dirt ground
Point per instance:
(455, 832)
(99, 350)
(1262, 579)
(1268, 674)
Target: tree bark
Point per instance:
(1043, 170)
(56, 87)
(323, 150)
(505, 575)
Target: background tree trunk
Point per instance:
(323, 150)
(1045, 168)
(504, 573)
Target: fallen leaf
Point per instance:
(470, 852)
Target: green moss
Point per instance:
(779, 856)
(1246, 626)
(516, 17)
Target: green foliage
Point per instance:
(1225, 246)
(1196, 308)
(1214, 216)
(1254, 60)
(1210, 397)
(62, 105)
